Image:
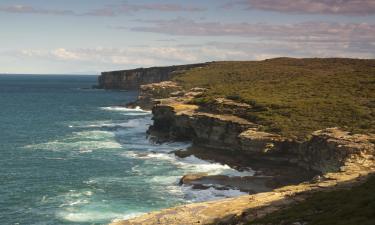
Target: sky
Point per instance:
(90, 36)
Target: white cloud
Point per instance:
(334, 7)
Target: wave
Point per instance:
(94, 216)
(194, 195)
(198, 165)
(139, 123)
(123, 109)
(173, 168)
(190, 164)
(85, 141)
(127, 111)
(82, 206)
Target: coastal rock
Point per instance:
(249, 184)
(333, 149)
(340, 158)
(246, 208)
(253, 140)
(227, 106)
(190, 178)
(327, 150)
(183, 121)
(150, 93)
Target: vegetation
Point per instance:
(340, 207)
(294, 97)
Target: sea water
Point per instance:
(70, 154)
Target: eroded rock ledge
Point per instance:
(328, 150)
(245, 208)
(342, 159)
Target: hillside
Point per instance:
(294, 97)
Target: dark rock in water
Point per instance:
(248, 184)
(182, 153)
(190, 178)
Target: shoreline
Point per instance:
(288, 170)
(268, 193)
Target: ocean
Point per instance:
(70, 154)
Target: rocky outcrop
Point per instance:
(180, 121)
(228, 106)
(150, 93)
(333, 149)
(133, 79)
(341, 158)
(249, 184)
(241, 210)
(328, 150)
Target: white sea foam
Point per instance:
(92, 135)
(191, 164)
(165, 180)
(85, 141)
(139, 123)
(127, 111)
(81, 146)
(123, 109)
(198, 165)
(194, 195)
(169, 181)
(90, 216)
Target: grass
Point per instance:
(341, 207)
(294, 97)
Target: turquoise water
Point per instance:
(71, 155)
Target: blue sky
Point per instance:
(90, 36)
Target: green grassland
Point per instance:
(294, 97)
(341, 207)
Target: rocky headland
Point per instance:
(132, 79)
(288, 169)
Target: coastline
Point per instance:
(330, 159)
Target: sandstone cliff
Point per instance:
(341, 158)
(132, 79)
(328, 150)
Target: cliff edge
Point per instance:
(275, 112)
(133, 79)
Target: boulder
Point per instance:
(190, 178)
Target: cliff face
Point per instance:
(132, 79)
(341, 158)
(328, 150)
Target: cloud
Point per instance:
(308, 39)
(126, 8)
(105, 11)
(32, 10)
(336, 7)
(305, 32)
(159, 7)
(146, 56)
(143, 56)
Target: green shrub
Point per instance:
(297, 96)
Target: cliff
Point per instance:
(280, 117)
(132, 79)
(342, 159)
(327, 150)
